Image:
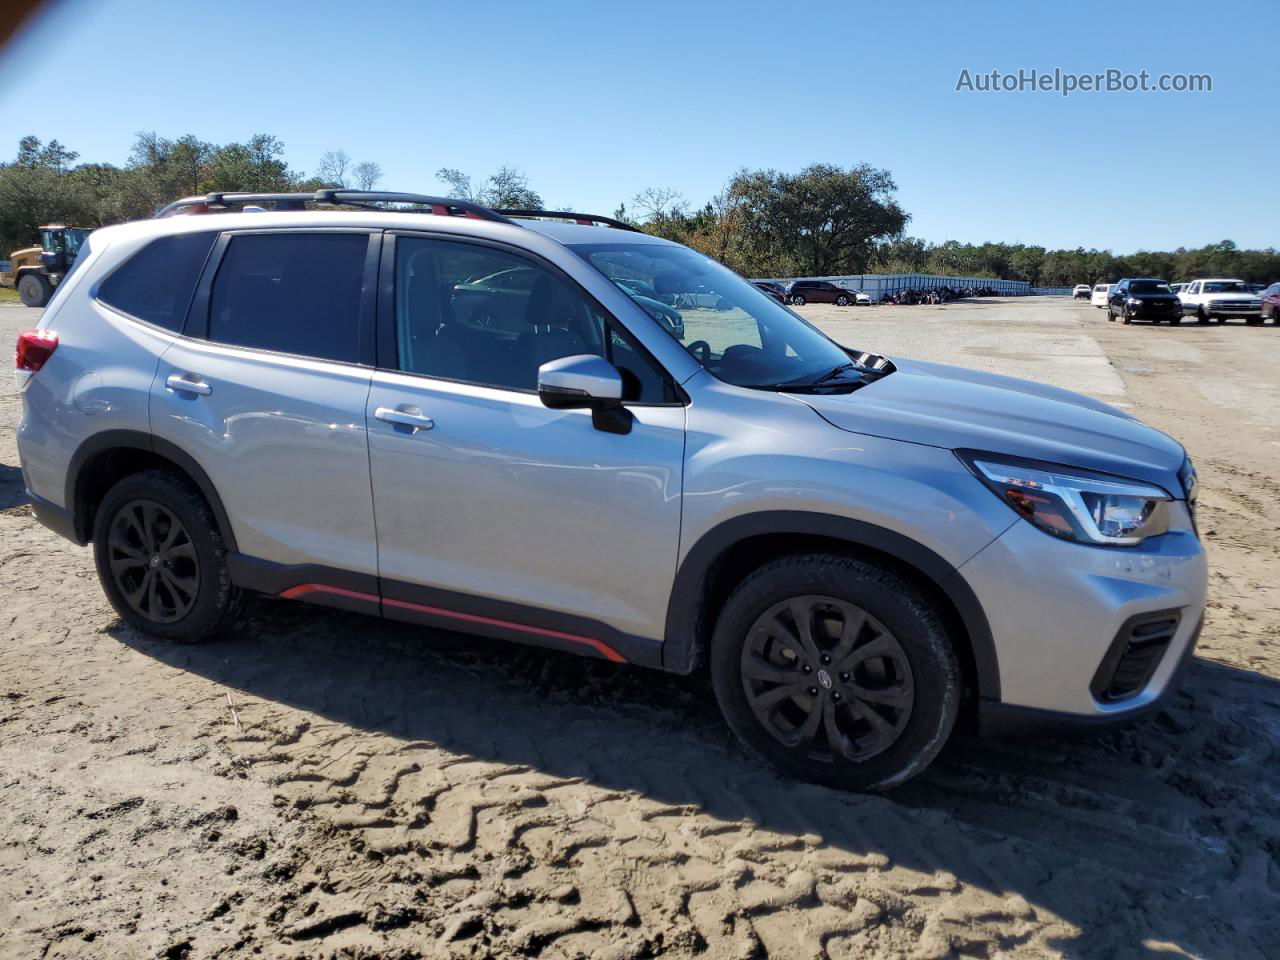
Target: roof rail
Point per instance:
(365, 199)
(583, 218)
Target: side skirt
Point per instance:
(443, 609)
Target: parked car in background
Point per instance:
(800, 292)
(1143, 298)
(1081, 292)
(774, 289)
(1219, 299)
(1271, 302)
(1177, 288)
(1099, 295)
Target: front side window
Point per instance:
(733, 329)
(483, 315)
(155, 284)
(291, 293)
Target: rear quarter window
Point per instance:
(155, 284)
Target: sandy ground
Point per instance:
(324, 785)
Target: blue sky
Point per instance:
(595, 101)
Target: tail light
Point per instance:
(35, 347)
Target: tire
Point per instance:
(1111, 317)
(1125, 317)
(756, 654)
(34, 289)
(797, 300)
(1253, 321)
(842, 301)
(188, 596)
(1202, 315)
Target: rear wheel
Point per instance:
(34, 289)
(797, 300)
(162, 560)
(835, 671)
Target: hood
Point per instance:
(945, 406)
(1233, 295)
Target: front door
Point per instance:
(495, 513)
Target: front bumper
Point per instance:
(1157, 311)
(1056, 608)
(999, 719)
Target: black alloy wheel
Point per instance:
(153, 561)
(826, 679)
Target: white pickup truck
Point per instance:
(1217, 299)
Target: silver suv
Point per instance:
(435, 412)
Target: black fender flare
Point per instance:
(108, 440)
(679, 653)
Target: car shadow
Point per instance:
(13, 491)
(1078, 828)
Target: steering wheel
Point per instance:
(701, 351)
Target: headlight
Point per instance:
(1075, 504)
(1135, 302)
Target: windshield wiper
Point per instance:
(793, 386)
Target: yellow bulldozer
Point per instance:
(35, 271)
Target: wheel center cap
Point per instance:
(155, 561)
(824, 678)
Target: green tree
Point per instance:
(824, 220)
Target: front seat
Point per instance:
(549, 316)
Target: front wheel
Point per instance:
(1125, 316)
(842, 301)
(162, 560)
(1202, 315)
(835, 671)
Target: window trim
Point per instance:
(387, 349)
(196, 325)
(98, 283)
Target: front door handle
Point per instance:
(415, 421)
(186, 385)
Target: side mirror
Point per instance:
(587, 382)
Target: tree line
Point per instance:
(824, 220)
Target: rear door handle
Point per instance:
(185, 385)
(404, 418)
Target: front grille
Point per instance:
(1226, 306)
(1134, 656)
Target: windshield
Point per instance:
(1149, 286)
(728, 325)
(1226, 286)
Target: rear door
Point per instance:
(266, 391)
(494, 511)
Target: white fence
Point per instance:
(876, 285)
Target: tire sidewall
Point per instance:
(935, 669)
(214, 593)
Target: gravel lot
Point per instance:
(325, 785)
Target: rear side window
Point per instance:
(292, 293)
(156, 283)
